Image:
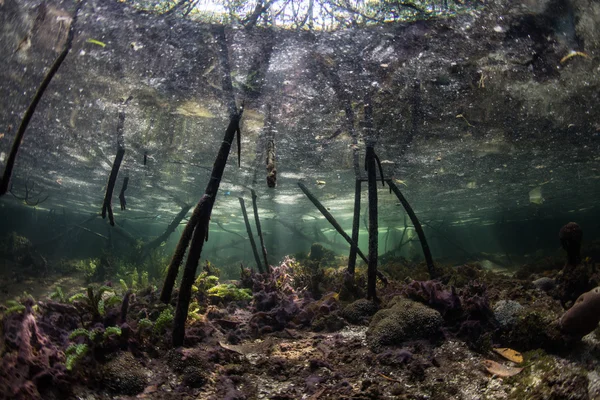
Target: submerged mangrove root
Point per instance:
(259, 231)
(107, 204)
(122, 194)
(182, 245)
(198, 224)
(29, 195)
(355, 227)
(331, 220)
(370, 164)
(271, 170)
(170, 229)
(250, 236)
(417, 225)
(10, 161)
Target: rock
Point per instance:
(584, 316)
(124, 375)
(405, 320)
(546, 284)
(506, 312)
(359, 311)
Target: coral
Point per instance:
(507, 312)
(359, 311)
(124, 375)
(544, 283)
(584, 316)
(570, 237)
(403, 321)
(317, 252)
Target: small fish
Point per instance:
(587, 260)
(1, 135)
(536, 196)
(321, 182)
(400, 182)
(227, 193)
(96, 42)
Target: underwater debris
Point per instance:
(466, 120)
(574, 54)
(509, 354)
(10, 162)
(500, 370)
(122, 194)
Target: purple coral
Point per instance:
(34, 365)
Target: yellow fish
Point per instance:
(320, 182)
(400, 182)
(94, 41)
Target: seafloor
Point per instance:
(304, 331)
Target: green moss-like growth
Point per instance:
(124, 285)
(58, 295)
(164, 320)
(546, 377)
(204, 282)
(112, 330)
(144, 323)
(75, 354)
(94, 303)
(405, 320)
(87, 267)
(229, 292)
(19, 308)
(79, 332)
